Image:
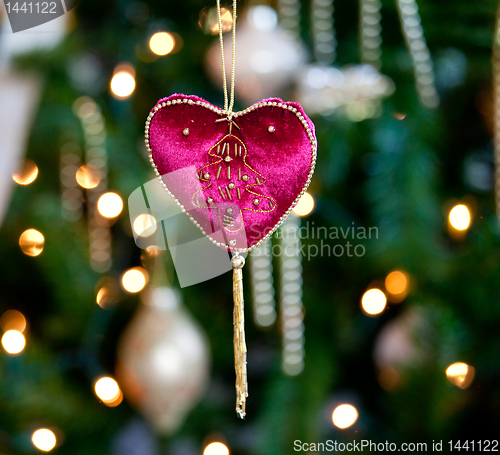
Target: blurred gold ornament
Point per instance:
(31, 242)
(27, 173)
(163, 360)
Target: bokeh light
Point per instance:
(144, 225)
(88, 177)
(114, 401)
(44, 439)
(134, 280)
(373, 301)
(399, 115)
(216, 448)
(108, 390)
(31, 242)
(162, 43)
(305, 206)
(108, 292)
(13, 342)
(110, 205)
(123, 80)
(460, 374)
(344, 416)
(397, 284)
(460, 217)
(13, 320)
(209, 22)
(27, 173)
(85, 107)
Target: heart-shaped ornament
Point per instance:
(237, 177)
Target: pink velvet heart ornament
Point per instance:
(237, 177)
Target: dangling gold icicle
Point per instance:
(240, 347)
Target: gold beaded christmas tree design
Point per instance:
(231, 185)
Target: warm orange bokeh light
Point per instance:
(27, 173)
(44, 439)
(144, 225)
(209, 22)
(344, 416)
(108, 390)
(162, 43)
(397, 285)
(134, 280)
(110, 205)
(13, 320)
(305, 206)
(88, 177)
(123, 81)
(108, 292)
(460, 374)
(373, 302)
(31, 242)
(216, 448)
(460, 217)
(13, 342)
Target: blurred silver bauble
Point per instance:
(163, 360)
(267, 56)
(357, 90)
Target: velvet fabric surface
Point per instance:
(236, 180)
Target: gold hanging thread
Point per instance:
(237, 262)
(228, 105)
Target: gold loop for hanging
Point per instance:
(228, 103)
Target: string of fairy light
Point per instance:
(80, 174)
